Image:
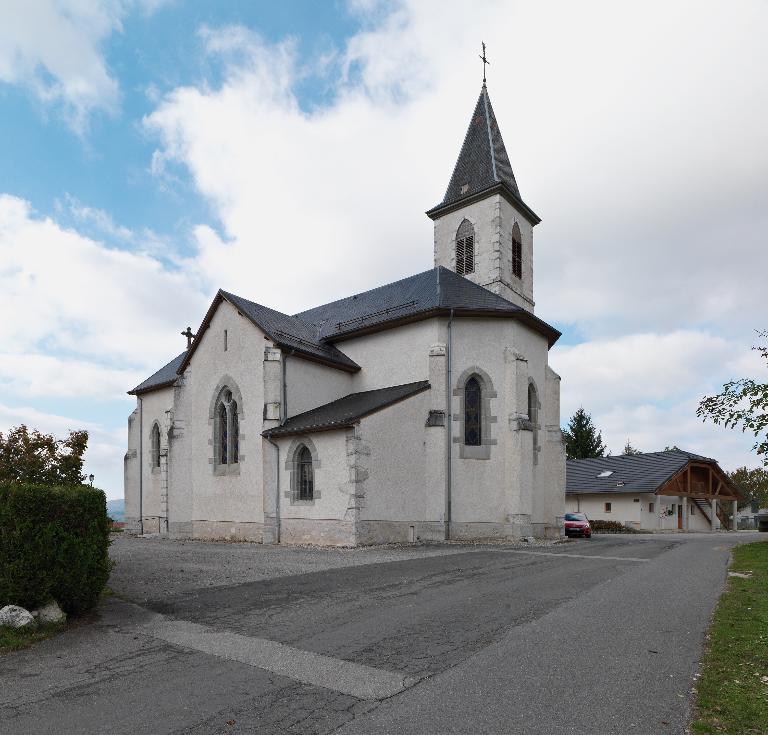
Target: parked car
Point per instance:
(577, 524)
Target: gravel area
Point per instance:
(150, 567)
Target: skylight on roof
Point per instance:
(606, 473)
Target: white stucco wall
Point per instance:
(395, 485)
(310, 384)
(154, 406)
(392, 357)
(329, 518)
(202, 503)
(625, 510)
(493, 219)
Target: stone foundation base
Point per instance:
(546, 530)
(320, 532)
(225, 530)
(387, 532)
(480, 530)
(152, 524)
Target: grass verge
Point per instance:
(732, 692)
(14, 640)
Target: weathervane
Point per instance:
(485, 61)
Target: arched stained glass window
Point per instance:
(473, 412)
(465, 248)
(517, 252)
(155, 446)
(234, 438)
(227, 430)
(223, 434)
(305, 485)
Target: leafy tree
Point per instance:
(753, 485)
(743, 402)
(31, 457)
(629, 449)
(582, 439)
(673, 448)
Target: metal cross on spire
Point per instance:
(485, 61)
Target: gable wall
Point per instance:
(392, 357)
(201, 502)
(310, 384)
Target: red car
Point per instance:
(577, 524)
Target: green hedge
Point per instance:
(54, 543)
(611, 527)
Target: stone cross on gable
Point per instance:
(188, 334)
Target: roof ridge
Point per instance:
(484, 94)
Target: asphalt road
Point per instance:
(599, 636)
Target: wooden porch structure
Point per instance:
(708, 487)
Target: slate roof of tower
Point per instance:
(483, 162)
(640, 473)
(435, 291)
(163, 377)
(346, 411)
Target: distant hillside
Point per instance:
(116, 509)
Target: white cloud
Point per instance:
(645, 166)
(54, 47)
(82, 304)
(646, 387)
(636, 132)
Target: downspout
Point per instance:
(283, 416)
(141, 464)
(277, 491)
(448, 432)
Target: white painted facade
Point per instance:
(401, 473)
(642, 511)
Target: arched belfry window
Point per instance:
(154, 444)
(473, 412)
(517, 252)
(227, 439)
(465, 248)
(305, 474)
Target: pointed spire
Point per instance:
(483, 161)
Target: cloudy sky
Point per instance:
(155, 150)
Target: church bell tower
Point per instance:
(483, 229)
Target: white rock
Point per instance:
(13, 616)
(50, 613)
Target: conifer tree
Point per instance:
(629, 449)
(582, 439)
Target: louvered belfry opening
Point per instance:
(517, 252)
(465, 248)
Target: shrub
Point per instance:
(611, 527)
(54, 543)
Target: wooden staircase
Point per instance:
(706, 509)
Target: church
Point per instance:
(423, 409)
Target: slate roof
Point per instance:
(163, 377)
(483, 162)
(346, 411)
(290, 331)
(312, 333)
(435, 291)
(640, 473)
